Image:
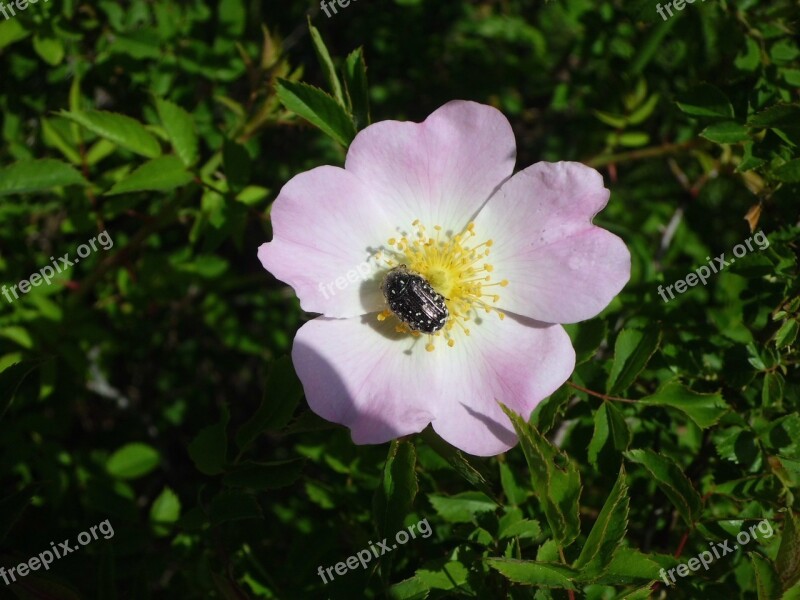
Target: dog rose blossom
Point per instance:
(485, 265)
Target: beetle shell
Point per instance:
(412, 300)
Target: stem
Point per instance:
(606, 159)
(599, 395)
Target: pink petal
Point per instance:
(383, 385)
(326, 226)
(518, 362)
(441, 170)
(560, 267)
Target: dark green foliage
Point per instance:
(149, 385)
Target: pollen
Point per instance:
(456, 266)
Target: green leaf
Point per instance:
(237, 163)
(705, 100)
(50, 49)
(10, 380)
(463, 507)
(545, 575)
(355, 79)
(672, 481)
(629, 565)
(787, 563)
(704, 409)
(787, 334)
(326, 62)
(282, 393)
(780, 115)
(768, 585)
(409, 589)
(120, 129)
(789, 172)
(166, 510)
(394, 497)
(608, 531)
(551, 409)
(632, 351)
(157, 175)
(457, 460)
(37, 175)
(586, 338)
(11, 31)
(318, 108)
(180, 129)
(555, 478)
(133, 461)
(727, 132)
(54, 134)
(265, 476)
(610, 429)
(209, 449)
(450, 575)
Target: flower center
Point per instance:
(455, 266)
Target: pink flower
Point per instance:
(511, 256)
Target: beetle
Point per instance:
(413, 300)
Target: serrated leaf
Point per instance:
(607, 532)
(119, 129)
(610, 429)
(282, 393)
(355, 79)
(318, 108)
(180, 129)
(787, 334)
(326, 62)
(672, 481)
(457, 460)
(704, 409)
(133, 461)
(768, 585)
(776, 116)
(409, 589)
(158, 175)
(706, 100)
(727, 132)
(37, 175)
(549, 410)
(787, 563)
(554, 476)
(209, 449)
(632, 351)
(546, 575)
(394, 497)
(461, 508)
